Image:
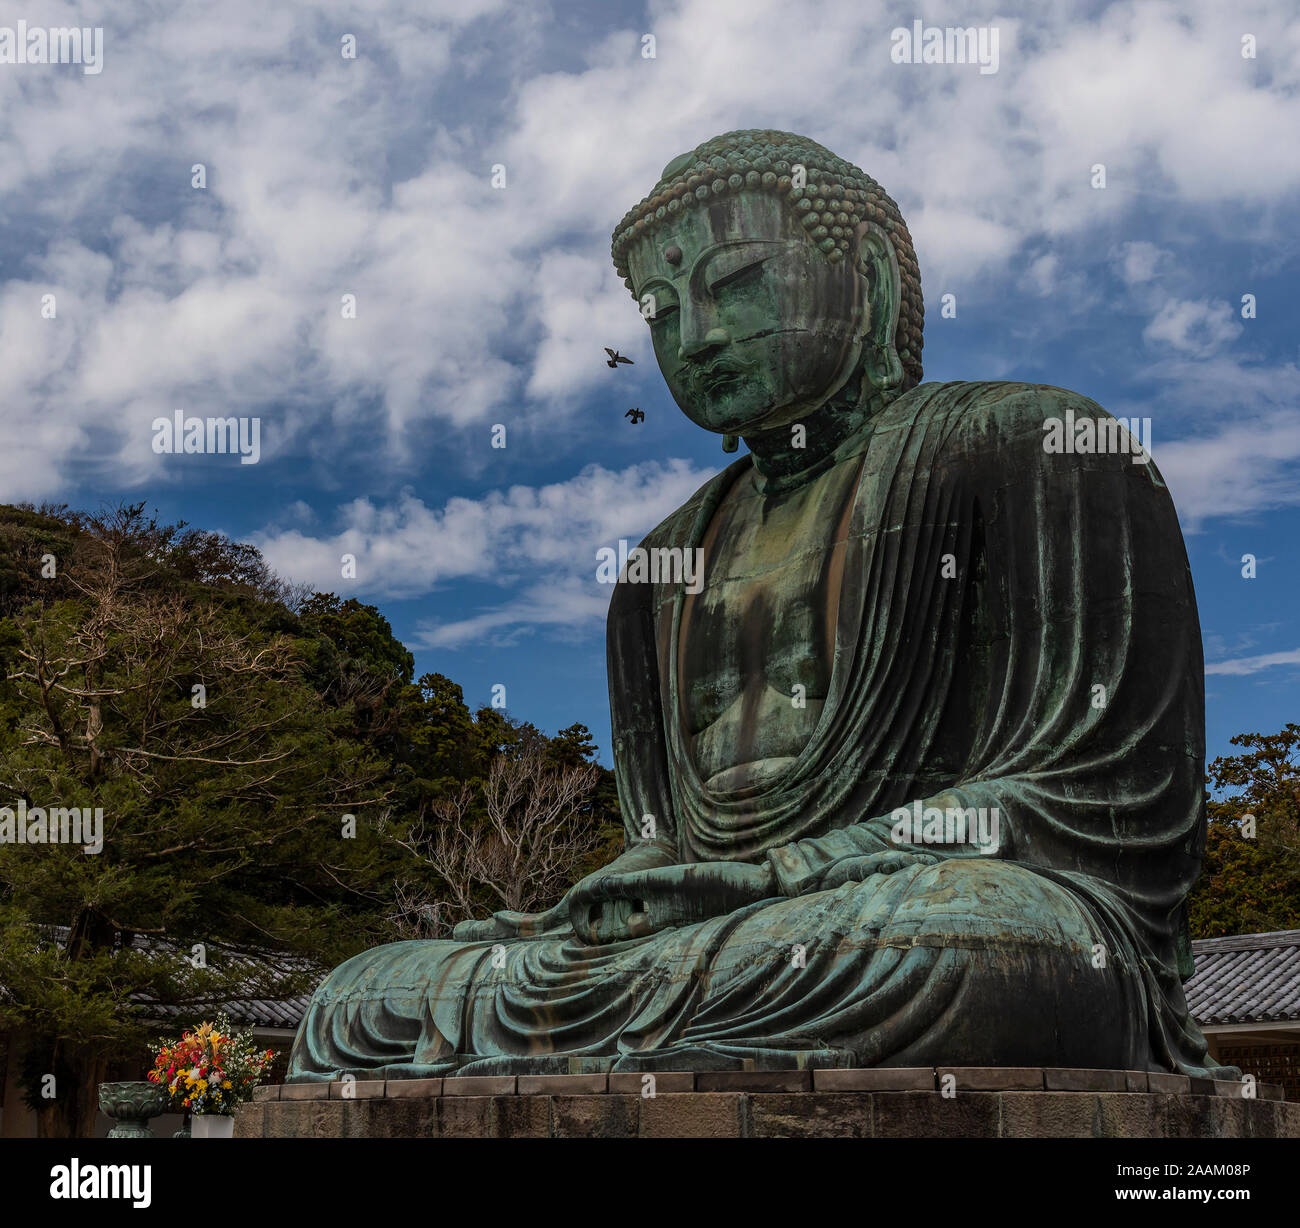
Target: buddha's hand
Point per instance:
(511, 925)
(859, 869)
(555, 920)
(617, 907)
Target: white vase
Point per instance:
(212, 1125)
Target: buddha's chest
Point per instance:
(756, 643)
(756, 630)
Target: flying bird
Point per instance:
(615, 358)
(635, 414)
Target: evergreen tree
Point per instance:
(172, 701)
(261, 757)
(1251, 880)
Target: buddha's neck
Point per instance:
(830, 434)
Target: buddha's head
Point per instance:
(767, 303)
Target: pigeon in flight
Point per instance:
(615, 358)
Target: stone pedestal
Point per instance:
(880, 1103)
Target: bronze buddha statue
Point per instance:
(909, 607)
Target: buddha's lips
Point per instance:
(717, 377)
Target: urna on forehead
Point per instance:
(827, 196)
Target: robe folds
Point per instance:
(1016, 634)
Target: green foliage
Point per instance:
(570, 748)
(1251, 884)
(225, 725)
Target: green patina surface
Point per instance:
(909, 610)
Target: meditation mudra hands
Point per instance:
(859, 869)
(614, 907)
(617, 903)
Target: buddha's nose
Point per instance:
(714, 339)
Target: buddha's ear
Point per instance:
(878, 264)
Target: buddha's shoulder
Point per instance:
(1001, 412)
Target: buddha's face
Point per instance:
(753, 327)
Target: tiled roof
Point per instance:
(254, 1012)
(248, 1011)
(1246, 978)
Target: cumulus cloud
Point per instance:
(372, 177)
(1198, 328)
(540, 538)
(572, 293)
(1243, 468)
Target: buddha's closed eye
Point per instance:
(659, 299)
(746, 274)
(658, 302)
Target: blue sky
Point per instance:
(476, 305)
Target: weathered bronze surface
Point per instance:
(131, 1105)
(910, 607)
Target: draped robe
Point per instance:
(1016, 632)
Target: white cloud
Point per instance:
(1139, 261)
(540, 536)
(1245, 467)
(573, 609)
(573, 294)
(1198, 328)
(1253, 665)
(372, 177)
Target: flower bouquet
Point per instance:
(210, 1071)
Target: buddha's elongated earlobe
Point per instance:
(883, 373)
(887, 370)
(730, 443)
